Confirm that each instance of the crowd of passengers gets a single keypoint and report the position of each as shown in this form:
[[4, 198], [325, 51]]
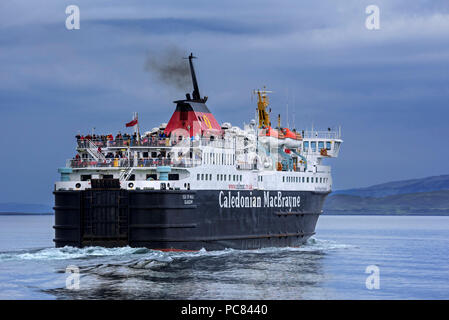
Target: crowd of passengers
[[120, 159], [156, 138]]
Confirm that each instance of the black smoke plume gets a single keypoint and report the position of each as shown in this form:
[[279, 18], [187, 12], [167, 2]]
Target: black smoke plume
[[169, 67]]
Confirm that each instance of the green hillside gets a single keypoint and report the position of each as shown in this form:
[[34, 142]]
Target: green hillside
[[434, 203], [427, 184]]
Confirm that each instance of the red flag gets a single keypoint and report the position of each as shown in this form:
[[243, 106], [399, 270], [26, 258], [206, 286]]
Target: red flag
[[132, 123]]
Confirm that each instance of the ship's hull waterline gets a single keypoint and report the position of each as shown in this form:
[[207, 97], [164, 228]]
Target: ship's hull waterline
[[186, 219]]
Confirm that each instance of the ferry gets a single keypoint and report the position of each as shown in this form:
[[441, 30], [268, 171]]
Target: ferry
[[193, 183]]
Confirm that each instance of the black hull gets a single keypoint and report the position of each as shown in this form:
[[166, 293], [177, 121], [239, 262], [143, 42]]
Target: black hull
[[187, 219]]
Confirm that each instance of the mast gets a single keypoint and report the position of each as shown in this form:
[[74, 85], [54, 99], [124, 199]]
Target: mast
[[138, 132], [262, 104], [196, 90]]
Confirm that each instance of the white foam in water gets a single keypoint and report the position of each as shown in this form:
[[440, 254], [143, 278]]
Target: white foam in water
[[71, 253], [311, 245], [77, 253]]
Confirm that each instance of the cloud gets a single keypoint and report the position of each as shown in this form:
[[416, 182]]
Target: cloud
[[380, 85]]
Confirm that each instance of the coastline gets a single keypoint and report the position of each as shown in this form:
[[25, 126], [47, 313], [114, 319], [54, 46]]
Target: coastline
[[25, 214], [325, 213]]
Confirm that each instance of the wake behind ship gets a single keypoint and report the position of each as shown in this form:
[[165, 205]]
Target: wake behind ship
[[193, 183]]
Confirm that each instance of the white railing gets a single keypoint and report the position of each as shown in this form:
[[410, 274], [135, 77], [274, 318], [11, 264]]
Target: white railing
[[132, 163], [321, 134], [154, 142]]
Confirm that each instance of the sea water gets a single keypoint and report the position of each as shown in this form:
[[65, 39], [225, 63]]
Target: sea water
[[350, 257]]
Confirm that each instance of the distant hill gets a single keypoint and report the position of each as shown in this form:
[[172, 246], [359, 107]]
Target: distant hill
[[13, 207], [435, 203], [418, 196], [428, 184]]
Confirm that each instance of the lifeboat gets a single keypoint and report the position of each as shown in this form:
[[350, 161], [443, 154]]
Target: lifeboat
[[291, 139], [271, 137]]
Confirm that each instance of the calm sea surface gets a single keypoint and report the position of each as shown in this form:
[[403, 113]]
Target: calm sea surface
[[411, 253]]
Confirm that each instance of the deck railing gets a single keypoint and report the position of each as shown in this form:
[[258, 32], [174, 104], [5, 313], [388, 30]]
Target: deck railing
[[125, 163], [321, 134]]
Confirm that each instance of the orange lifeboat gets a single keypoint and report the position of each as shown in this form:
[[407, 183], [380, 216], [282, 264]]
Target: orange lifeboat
[[291, 139], [272, 137]]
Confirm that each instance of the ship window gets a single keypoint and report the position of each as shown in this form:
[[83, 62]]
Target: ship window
[[153, 154], [313, 145], [320, 145], [240, 177], [306, 145], [321, 180], [307, 179], [173, 176], [224, 176], [198, 176], [145, 154], [218, 177], [85, 177], [283, 179], [229, 177], [108, 176], [202, 176], [328, 145], [151, 177], [303, 179], [132, 177]]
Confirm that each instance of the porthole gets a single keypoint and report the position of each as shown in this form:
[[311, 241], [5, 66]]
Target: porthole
[[130, 185], [78, 185]]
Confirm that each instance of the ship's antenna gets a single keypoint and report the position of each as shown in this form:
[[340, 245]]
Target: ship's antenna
[[286, 115], [294, 110]]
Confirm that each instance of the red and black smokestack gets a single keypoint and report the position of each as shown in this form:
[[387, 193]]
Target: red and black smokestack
[[192, 115]]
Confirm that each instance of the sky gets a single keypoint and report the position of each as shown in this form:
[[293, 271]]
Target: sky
[[388, 89]]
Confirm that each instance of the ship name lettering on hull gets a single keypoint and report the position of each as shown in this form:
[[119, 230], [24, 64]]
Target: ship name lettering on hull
[[270, 200]]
